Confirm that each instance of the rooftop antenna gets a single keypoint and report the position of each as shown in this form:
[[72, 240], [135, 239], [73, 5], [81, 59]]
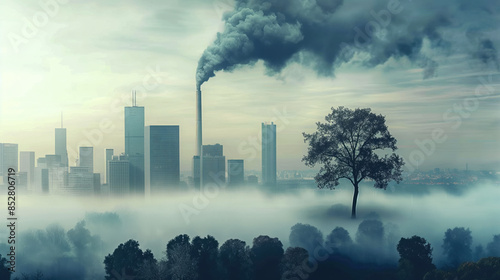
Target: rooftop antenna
[[134, 98]]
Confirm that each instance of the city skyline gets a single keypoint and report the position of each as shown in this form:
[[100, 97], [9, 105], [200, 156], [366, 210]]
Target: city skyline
[[238, 101]]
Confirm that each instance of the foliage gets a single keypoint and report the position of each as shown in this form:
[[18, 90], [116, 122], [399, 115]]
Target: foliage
[[347, 146], [415, 258]]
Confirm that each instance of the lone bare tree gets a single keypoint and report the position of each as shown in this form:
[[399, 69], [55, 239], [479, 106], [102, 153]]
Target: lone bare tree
[[346, 145]]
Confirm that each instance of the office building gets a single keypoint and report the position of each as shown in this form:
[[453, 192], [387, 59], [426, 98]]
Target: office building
[[80, 181], [86, 159], [8, 159], [97, 183], [161, 157], [58, 174], [27, 164], [269, 154], [60, 146], [119, 176], [134, 146], [214, 165], [108, 157], [235, 172]]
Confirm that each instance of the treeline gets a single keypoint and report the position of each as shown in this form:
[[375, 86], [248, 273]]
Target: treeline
[[375, 253]]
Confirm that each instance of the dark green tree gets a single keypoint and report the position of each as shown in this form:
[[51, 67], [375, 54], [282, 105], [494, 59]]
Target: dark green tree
[[126, 261], [180, 260], [206, 251], [494, 247], [234, 257], [306, 236], [293, 262], [457, 245], [4, 268], [347, 146], [415, 258], [266, 255]]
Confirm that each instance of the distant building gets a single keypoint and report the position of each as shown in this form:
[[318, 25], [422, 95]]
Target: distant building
[[196, 171], [60, 146], [58, 174], [80, 181], [40, 169], [87, 158], [214, 165], [134, 146], [253, 180], [27, 164], [119, 176], [161, 157], [97, 183], [108, 157], [235, 172], [8, 159], [269, 154]]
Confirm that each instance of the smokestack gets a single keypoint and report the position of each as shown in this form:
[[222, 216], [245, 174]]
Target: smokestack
[[198, 122]]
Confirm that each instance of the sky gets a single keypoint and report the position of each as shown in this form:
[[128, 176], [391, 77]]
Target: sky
[[84, 58]]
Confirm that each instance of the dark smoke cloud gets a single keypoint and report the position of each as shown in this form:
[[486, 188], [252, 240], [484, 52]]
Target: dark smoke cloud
[[323, 34]]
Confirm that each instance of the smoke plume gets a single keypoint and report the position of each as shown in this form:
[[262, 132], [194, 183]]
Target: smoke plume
[[323, 34]]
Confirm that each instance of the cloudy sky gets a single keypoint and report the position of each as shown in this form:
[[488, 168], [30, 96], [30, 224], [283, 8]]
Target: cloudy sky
[[428, 67]]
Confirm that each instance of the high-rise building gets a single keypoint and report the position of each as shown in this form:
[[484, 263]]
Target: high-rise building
[[134, 146], [87, 158], [41, 170], [60, 146], [58, 174], [161, 157], [214, 165], [269, 154], [235, 172], [119, 176], [27, 164], [8, 159], [108, 157], [97, 183], [80, 181]]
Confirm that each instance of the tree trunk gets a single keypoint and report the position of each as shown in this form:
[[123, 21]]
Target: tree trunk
[[354, 201]]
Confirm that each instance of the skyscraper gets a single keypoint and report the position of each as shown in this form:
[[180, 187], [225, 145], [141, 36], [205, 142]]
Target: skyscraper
[[60, 146], [87, 158], [108, 157], [27, 164], [119, 176], [134, 146], [214, 165], [8, 159], [58, 174], [161, 158], [235, 172], [80, 181], [269, 154]]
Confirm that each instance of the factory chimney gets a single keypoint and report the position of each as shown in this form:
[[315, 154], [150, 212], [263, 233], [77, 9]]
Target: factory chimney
[[198, 122]]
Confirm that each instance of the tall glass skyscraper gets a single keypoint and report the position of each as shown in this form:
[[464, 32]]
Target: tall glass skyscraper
[[60, 146], [269, 154], [134, 146], [214, 165], [109, 156], [8, 159], [27, 164], [118, 175], [162, 157], [87, 158]]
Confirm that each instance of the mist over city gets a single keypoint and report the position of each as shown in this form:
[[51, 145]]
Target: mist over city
[[250, 139]]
